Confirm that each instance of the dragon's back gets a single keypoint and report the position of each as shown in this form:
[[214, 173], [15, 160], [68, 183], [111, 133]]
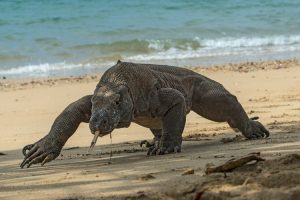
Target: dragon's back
[[127, 71], [142, 79]]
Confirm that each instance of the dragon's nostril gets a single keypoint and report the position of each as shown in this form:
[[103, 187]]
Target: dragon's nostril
[[99, 121], [104, 123]]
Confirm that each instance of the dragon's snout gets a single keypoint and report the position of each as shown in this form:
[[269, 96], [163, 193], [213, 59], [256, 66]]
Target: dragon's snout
[[102, 121], [99, 122]]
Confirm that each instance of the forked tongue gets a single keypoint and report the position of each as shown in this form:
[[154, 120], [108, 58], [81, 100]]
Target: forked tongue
[[94, 141]]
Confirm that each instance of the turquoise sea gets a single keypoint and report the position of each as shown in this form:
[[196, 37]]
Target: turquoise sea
[[74, 37]]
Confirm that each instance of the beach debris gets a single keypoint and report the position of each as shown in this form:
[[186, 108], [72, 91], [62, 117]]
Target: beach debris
[[94, 141], [197, 137], [199, 194], [2, 154], [246, 181], [251, 112], [219, 156], [147, 177], [254, 118], [232, 164], [188, 172], [234, 139]]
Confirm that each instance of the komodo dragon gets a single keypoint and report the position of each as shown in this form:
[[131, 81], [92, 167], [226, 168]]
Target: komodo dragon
[[154, 96]]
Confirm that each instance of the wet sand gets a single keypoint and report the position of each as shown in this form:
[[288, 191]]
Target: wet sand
[[270, 90]]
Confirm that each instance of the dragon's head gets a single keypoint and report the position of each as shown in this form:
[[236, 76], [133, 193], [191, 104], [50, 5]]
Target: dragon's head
[[111, 107]]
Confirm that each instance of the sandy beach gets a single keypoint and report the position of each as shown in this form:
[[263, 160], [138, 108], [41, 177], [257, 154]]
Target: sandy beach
[[270, 90]]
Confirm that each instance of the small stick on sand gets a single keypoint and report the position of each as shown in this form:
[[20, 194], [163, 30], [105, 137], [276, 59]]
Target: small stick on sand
[[94, 141], [233, 164]]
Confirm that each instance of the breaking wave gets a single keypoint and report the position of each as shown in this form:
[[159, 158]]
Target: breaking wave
[[218, 47], [251, 42], [151, 50], [40, 69]]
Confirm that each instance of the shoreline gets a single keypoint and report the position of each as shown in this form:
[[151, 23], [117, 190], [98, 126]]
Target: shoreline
[[23, 83]]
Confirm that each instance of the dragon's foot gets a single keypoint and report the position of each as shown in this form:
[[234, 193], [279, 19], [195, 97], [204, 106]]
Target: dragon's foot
[[256, 130], [147, 144], [27, 148], [150, 144], [156, 150], [42, 151], [164, 146]]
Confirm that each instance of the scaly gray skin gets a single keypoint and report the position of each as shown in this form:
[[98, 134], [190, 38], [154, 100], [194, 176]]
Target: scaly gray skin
[[155, 96]]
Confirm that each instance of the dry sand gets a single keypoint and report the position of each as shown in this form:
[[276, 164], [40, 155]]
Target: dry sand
[[270, 90]]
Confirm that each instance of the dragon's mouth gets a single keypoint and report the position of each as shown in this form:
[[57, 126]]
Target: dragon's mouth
[[102, 133], [94, 141]]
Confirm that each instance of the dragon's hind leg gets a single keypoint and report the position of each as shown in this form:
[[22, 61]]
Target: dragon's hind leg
[[212, 101]]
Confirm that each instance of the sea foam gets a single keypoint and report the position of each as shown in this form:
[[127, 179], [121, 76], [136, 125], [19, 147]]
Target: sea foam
[[250, 41], [166, 49], [40, 69]]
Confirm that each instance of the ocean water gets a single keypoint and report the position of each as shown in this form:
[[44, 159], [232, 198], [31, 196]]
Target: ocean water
[[73, 37]]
